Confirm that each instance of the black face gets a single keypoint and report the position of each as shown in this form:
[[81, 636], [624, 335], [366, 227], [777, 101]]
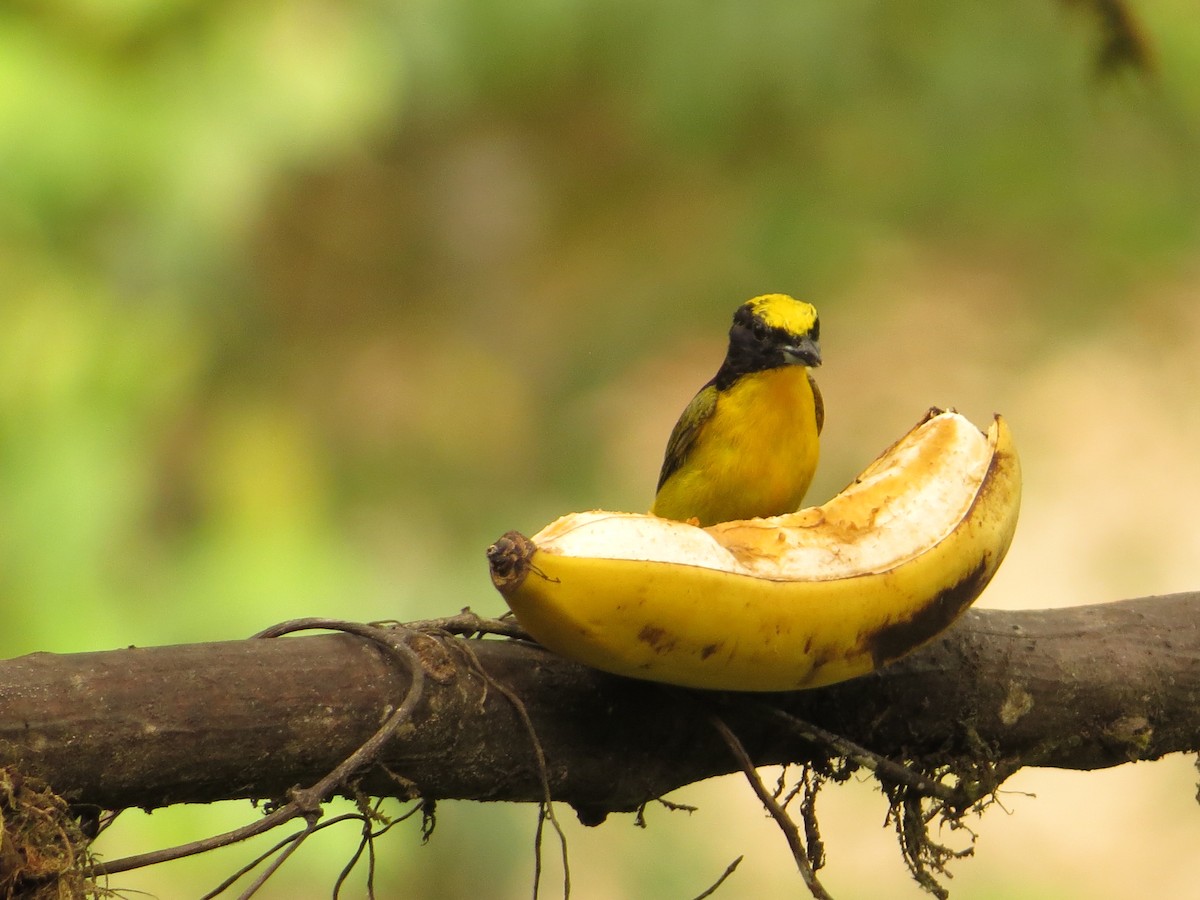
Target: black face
[[754, 346]]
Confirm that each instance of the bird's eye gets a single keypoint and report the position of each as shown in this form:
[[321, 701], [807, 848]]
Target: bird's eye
[[816, 330], [759, 329]]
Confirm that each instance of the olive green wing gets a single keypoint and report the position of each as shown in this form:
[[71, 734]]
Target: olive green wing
[[686, 430], [818, 402]]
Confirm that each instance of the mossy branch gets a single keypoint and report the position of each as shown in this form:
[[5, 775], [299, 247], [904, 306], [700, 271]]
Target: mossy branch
[[1081, 688]]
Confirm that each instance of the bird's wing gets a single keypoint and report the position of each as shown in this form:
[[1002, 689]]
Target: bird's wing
[[684, 434], [818, 402]]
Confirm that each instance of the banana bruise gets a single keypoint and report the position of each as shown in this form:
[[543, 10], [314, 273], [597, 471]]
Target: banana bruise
[[795, 601]]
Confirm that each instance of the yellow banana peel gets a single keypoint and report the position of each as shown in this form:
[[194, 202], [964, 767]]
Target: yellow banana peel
[[794, 601]]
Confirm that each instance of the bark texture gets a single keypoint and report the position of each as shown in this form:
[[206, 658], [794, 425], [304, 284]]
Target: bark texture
[[1081, 688]]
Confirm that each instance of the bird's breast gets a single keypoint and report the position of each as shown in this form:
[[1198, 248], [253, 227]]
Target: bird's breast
[[762, 443]]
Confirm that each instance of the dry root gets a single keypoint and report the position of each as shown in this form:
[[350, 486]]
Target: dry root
[[43, 849]]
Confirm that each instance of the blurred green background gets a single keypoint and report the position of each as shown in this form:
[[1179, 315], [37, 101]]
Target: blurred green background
[[303, 303]]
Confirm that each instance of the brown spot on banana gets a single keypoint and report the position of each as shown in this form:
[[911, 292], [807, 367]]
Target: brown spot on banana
[[898, 639], [658, 638]]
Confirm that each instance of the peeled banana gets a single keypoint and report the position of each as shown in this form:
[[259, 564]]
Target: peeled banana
[[794, 601]]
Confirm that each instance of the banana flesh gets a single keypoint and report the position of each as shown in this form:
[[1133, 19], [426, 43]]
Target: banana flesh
[[794, 601]]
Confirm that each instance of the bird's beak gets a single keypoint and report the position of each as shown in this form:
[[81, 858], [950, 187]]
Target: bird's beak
[[805, 351]]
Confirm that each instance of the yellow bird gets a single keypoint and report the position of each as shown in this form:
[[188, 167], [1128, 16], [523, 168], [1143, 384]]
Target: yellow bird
[[747, 444]]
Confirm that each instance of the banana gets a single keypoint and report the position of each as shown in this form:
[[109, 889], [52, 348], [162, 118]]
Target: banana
[[794, 601]]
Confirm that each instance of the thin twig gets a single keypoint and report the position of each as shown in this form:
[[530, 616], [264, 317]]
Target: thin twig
[[778, 813], [366, 815], [365, 840], [870, 760], [251, 866], [279, 860], [468, 624], [371, 858], [675, 807], [542, 768], [537, 850], [305, 802], [729, 870], [274, 848], [810, 784]]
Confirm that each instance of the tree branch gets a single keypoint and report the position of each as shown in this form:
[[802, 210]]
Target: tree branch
[[1081, 688]]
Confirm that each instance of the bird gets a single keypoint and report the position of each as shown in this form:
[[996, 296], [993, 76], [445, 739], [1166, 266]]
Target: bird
[[747, 444]]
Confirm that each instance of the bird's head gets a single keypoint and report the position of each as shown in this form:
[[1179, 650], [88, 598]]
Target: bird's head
[[771, 331]]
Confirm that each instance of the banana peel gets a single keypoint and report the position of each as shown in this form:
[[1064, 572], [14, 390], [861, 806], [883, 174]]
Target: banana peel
[[795, 601]]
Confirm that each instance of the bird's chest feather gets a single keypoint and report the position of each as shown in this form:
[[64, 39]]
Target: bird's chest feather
[[771, 411], [764, 438]]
